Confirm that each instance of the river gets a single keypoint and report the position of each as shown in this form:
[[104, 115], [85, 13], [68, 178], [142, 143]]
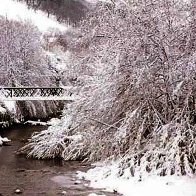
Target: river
[[38, 177]]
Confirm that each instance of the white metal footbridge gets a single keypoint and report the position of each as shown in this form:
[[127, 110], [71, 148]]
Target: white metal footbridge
[[35, 93]]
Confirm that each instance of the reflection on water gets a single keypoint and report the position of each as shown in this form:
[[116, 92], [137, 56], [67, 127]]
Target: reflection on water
[[19, 136]]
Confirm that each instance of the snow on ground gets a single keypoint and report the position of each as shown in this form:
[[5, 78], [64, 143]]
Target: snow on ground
[[2, 110], [39, 98], [59, 59], [11, 106], [53, 121], [31, 122], [19, 11], [3, 140], [149, 186]]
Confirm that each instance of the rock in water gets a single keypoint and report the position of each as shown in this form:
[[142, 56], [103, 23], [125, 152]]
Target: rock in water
[[5, 139], [18, 191]]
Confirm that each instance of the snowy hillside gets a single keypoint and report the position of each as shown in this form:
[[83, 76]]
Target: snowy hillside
[[19, 11]]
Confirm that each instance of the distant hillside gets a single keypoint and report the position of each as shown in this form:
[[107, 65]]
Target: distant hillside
[[65, 10], [14, 10]]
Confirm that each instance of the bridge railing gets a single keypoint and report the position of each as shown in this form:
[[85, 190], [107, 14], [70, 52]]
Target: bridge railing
[[30, 92]]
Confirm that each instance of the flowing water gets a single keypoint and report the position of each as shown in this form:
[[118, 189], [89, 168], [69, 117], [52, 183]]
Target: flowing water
[[38, 177]]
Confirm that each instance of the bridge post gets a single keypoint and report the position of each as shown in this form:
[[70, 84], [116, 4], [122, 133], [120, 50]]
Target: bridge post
[[11, 92]]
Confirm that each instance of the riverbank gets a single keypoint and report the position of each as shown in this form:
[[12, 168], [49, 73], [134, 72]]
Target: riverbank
[[38, 177], [12, 112], [106, 176]]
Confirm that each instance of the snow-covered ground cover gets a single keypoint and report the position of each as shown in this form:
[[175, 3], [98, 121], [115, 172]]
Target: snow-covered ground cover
[[2, 110], [10, 105], [107, 177], [19, 11], [59, 58], [3, 140], [51, 122], [31, 122]]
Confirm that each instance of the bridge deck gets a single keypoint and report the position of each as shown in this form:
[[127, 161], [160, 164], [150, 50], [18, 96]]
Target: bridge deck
[[65, 98]]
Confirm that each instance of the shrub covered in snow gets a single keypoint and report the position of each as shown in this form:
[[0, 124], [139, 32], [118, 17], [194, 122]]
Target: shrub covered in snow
[[6, 116], [135, 71], [52, 142]]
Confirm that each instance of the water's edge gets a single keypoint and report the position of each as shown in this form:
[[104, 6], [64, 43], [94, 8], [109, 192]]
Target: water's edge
[[38, 177]]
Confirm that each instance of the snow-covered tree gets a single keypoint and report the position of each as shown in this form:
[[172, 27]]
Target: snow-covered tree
[[135, 67], [21, 56]]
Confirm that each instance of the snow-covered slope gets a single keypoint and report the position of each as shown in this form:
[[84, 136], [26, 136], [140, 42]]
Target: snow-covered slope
[[19, 11], [130, 186]]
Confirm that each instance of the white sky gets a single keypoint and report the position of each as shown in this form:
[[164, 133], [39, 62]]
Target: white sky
[[19, 11]]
